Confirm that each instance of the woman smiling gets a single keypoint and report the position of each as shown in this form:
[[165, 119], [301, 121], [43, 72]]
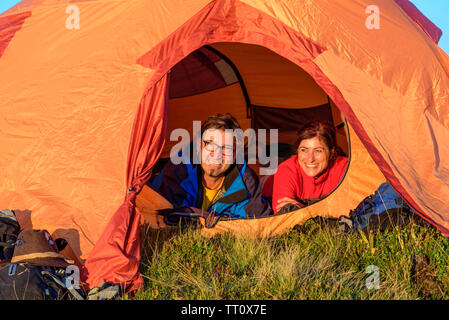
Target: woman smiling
[[313, 172]]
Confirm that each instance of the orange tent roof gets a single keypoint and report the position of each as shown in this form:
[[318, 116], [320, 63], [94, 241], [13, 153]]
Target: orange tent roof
[[74, 102]]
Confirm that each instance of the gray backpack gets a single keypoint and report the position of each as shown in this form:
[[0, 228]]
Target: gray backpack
[[9, 230]]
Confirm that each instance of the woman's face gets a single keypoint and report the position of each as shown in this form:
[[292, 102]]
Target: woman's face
[[313, 156]]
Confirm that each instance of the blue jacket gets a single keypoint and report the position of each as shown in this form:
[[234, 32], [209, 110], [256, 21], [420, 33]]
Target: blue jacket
[[240, 195]]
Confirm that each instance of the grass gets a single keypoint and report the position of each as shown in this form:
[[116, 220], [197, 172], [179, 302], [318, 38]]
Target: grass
[[315, 262]]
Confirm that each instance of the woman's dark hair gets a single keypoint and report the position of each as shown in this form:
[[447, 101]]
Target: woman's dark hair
[[220, 121], [324, 130]]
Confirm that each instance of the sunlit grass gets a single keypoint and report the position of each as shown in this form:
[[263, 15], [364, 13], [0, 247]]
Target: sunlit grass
[[317, 262]]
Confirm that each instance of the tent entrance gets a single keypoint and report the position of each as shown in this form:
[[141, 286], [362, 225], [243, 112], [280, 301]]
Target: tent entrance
[[261, 89]]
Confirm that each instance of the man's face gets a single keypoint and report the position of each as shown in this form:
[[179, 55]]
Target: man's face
[[217, 152]]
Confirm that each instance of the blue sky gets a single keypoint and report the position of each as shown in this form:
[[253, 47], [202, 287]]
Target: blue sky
[[438, 12], [435, 10], [6, 4]]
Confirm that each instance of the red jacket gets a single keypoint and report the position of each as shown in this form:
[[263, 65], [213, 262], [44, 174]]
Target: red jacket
[[291, 181]]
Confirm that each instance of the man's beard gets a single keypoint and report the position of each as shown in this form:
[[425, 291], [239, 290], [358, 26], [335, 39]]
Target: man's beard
[[215, 173]]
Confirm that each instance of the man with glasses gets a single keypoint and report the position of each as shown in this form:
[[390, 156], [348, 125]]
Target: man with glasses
[[218, 184]]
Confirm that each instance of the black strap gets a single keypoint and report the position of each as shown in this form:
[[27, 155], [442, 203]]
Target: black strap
[[308, 202], [188, 214], [6, 244]]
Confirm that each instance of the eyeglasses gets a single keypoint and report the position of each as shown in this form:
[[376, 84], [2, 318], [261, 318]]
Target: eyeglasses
[[213, 147]]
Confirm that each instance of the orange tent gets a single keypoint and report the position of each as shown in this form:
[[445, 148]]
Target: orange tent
[[85, 109]]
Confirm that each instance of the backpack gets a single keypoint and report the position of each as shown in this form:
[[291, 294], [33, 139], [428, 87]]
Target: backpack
[[28, 282], [9, 230], [380, 210], [38, 271], [40, 279]]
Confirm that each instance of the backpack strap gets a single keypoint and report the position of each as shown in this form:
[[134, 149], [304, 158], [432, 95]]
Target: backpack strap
[[63, 284]]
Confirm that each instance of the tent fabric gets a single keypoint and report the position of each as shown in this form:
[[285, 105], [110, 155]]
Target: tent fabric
[[229, 98], [9, 25], [73, 125], [421, 20], [116, 256], [271, 80], [274, 118], [201, 71], [119, 244]]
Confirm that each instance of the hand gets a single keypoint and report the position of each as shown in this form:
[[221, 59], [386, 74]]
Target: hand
[[286, 200]]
